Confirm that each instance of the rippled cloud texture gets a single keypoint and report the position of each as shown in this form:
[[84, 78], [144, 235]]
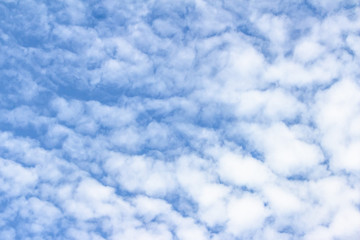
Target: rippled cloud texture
[[188, 120]]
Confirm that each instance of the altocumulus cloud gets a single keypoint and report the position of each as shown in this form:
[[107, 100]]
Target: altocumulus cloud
[[189, 119]]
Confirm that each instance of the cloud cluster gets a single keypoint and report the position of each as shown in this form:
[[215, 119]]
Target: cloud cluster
[[188, 119]]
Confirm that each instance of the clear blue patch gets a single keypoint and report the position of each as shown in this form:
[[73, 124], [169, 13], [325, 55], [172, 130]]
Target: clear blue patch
[[288, 229], [182, 203], [300, 178], [99, 12]]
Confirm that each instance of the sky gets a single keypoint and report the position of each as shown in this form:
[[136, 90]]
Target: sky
[[180, 120]]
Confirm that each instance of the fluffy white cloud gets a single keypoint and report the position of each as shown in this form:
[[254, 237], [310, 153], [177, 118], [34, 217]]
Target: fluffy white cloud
[[16, 179], [244, 171], [337, 116], [184, 120], [284, 153], [140, 174], [245, 214]]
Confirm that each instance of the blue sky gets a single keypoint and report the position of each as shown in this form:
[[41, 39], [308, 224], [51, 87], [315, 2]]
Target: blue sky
[[185, 120]]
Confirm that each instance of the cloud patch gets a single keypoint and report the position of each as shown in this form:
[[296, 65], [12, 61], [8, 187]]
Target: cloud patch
[[179, 120]]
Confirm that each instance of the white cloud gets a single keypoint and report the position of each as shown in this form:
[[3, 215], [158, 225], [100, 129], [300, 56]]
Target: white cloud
[[16, 179], [110, 116], [332, 5], [307, 51], [283, 152], [245, 214], [282, 201], [244, 171], [179, 120], [336, 114], [187, 229], [276, 28], [8, 234], [68, 111], [241, 70], [346, 223], [43, 214], [137, 173], [269, 105]]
